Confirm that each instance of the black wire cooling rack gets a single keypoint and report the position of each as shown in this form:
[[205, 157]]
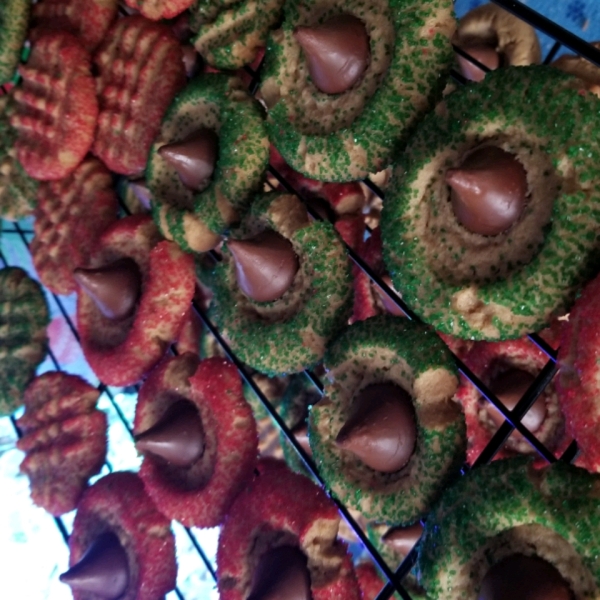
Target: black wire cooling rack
[[563, 38]]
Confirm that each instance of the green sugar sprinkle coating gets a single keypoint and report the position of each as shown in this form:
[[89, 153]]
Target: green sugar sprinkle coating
[[14, 18], [23, 341], [217, 102], [411, 355], [316, 307], [18, 191], [539, 114], [345, 136], [478, 521]]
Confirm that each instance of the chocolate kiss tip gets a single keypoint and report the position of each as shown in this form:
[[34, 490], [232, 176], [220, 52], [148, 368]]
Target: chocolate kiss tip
[[337, 52], [193, 158], [265, 266], [486, 55], [178, 437], [114, 288], [103, 570], [402, 539]]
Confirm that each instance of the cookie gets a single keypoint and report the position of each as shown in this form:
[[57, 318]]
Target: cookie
[[23, 340], [17, 190], [218, 126], [344, 134], [508, 369], [55, 107], [132, 301], [198, 438], [140, 69], [581, 68], [508, 522], [238, 32], [389, 379], [70, 216], [495, 38], [120, 546], [14, 18], [281, 535], [496, 279], [159, 9], [87, 20], [279, 316], [64, 438]]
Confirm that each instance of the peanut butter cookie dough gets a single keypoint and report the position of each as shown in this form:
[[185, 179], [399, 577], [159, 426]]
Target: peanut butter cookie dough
[[206, 162], [386, 436], [494, 278], [508, 524], [334, 134]]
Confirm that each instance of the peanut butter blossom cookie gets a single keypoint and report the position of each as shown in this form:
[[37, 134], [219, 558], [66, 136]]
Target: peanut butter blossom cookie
[[507, 530], [387, 437], [489, 226], [344, 82], [14, 17], [207, 160], [23, 340], [277, 307]]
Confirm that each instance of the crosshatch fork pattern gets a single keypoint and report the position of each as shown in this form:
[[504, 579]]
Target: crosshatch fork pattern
[[20, 235]]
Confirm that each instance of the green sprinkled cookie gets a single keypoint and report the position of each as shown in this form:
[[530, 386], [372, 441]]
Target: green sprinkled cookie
[[17, 190], [14, 18], [540, 523], [285, 329], [387, 437], [213, 116], [23, 340], [478, 276], [343, 133]]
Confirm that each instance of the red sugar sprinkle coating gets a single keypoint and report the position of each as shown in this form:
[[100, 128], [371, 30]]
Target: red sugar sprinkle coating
[[578, 380], [283, 503], [369, 580], [118, 503], [122, 352], [160, 9], [55, 107], [215, 387]]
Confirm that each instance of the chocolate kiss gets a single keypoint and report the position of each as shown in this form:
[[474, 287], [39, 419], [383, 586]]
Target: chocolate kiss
[[509, 387], [520, 577], [488, 191], [281, 574], [381, 430], [402, 539], [103, 570], [114, 288], [193, 158], [486, 55], [265, 266], [337, 52], [178, 437]]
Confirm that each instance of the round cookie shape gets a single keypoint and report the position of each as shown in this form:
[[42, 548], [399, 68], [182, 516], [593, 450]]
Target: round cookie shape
[[498, 286], [196, 220], [201, 493], [281, 508], [385, 349], [551, 513], [121, 351], [14, 18], [118, 504], [343, 137], [23, 340], [289, 334]]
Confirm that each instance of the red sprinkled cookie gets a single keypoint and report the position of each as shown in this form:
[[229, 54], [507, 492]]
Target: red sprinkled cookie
[[133, 300], [281, 530], [121, 546], [198, 437], [70, 216], [140, 65], [64, 437], [55, 107], [160, 9]]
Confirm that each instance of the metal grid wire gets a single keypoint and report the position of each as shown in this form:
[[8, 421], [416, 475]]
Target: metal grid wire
[[512, 417]]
